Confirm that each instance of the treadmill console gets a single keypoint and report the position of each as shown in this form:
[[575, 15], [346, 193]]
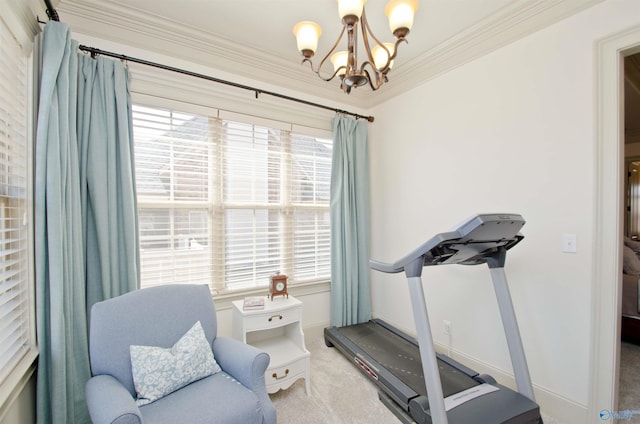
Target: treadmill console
[[470, 243]]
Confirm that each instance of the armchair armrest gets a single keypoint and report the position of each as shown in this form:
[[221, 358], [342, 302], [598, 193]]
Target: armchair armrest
[[109, 402], [244, 362], [247, 364]]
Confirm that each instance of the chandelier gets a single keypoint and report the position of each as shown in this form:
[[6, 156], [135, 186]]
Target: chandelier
[[379, 59]]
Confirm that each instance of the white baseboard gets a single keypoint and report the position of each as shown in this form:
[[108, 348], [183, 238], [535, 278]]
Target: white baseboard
[[551, 404], [314, 331]]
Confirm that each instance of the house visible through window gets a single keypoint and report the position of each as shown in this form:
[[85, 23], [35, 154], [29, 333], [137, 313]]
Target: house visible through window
[[229, 202]]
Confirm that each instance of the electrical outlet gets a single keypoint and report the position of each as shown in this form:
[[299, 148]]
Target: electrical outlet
[[446, 325]]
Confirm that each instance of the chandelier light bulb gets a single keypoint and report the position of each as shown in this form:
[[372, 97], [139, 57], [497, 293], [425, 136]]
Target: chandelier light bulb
[[400, 14], [339, 59], [307, 34], [350, 8], [381, 57]]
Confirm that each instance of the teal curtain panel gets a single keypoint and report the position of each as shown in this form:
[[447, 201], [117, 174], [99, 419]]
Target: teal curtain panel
[[85, 215], [350, 227]]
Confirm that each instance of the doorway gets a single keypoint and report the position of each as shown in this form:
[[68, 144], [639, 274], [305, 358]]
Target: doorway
[[629, 354], [609, 218], [631, 127]]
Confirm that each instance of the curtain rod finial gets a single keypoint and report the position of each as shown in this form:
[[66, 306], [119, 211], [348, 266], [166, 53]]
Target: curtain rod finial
[[51, 11]]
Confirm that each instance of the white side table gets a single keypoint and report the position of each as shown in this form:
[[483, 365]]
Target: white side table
[[276, 329]]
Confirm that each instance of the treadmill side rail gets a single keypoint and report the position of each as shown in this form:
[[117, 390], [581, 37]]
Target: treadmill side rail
[[427, 352], [512, 333]]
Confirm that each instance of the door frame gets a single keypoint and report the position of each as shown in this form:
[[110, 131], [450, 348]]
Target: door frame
[[609, 214]]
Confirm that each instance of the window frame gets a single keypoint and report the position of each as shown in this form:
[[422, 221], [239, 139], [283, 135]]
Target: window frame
[[23, 27], [308, 286]]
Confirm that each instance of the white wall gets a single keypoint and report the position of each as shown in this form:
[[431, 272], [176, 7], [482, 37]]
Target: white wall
[[22, 410], [510, 132]]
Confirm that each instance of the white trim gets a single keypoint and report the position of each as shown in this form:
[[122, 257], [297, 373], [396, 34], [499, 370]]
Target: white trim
[[120, 23], [11, 388], [162, 84], [515, 21], [607, 261], [254, 120], [314, 331], [551, 404], [315, 132], [21, 21]]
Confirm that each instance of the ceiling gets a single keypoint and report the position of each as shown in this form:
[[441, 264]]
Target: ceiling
[[253, 39]]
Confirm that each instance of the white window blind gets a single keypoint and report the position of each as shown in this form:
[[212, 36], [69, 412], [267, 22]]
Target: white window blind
[[14, 203], [311, 178], [229, 203]]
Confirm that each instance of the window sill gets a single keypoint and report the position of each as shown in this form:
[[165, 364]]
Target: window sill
[[223, 301], [11, 388]]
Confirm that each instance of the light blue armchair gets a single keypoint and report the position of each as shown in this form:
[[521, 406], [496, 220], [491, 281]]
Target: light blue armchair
[[159, 316]]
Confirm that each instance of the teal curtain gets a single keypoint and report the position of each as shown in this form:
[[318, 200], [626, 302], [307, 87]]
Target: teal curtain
[[349, 209], [109, 210], [73, 239]]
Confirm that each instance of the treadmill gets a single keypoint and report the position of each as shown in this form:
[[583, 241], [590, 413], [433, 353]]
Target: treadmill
[[416, 383]]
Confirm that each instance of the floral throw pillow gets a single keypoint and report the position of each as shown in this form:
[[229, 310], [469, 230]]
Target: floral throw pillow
[[159, 371]]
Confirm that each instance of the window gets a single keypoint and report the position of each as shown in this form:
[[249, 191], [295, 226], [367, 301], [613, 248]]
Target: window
[[15, 200], [229, 201]]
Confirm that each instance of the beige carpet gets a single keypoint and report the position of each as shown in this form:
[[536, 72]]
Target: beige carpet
[[340, 394]]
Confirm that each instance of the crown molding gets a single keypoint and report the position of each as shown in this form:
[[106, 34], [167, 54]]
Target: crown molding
[[21, 19], [143, 30], [516, 21]]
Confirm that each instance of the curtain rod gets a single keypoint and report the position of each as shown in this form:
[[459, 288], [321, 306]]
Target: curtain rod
[[258, 91], [51, 11]]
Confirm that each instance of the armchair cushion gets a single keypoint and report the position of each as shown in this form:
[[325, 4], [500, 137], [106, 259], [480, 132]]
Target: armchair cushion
[[158, 371], [216, 399]]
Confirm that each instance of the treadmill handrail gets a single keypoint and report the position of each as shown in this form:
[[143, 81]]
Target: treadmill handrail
[[399, 265], [481, 239]]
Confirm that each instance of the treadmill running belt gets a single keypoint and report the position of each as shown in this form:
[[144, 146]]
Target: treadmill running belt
[[401, 358]]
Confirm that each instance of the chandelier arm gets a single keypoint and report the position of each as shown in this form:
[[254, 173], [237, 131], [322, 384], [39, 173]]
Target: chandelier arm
[[380, 76], [390, 56], [365, 40], [306, 59], [318, 71], [395, 48], [352, 48], [324, 59]]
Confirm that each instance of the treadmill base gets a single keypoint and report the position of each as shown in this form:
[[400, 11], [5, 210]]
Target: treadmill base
[[410, 404]]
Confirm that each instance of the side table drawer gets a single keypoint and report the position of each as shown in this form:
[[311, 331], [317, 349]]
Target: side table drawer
[[272, 319], [284, 376]]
